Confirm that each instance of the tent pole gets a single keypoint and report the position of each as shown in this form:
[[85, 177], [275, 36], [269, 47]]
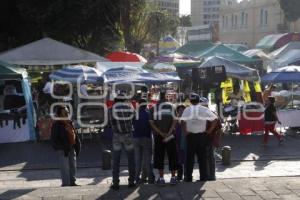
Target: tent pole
[[292, 95]]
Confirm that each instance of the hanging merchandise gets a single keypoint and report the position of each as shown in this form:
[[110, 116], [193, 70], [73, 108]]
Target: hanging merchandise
[[246, 88], [227, 89], [227, 83], [257, 86]]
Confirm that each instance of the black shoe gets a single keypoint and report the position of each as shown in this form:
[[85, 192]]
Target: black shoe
[[131, 185], [179, 177], [115, 187]]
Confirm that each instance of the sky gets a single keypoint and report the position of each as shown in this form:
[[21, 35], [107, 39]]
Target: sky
[[185, 7]]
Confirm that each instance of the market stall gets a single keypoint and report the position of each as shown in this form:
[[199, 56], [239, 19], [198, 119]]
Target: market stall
[[83, 86], [239, 77], [17, 114], [290, 112]]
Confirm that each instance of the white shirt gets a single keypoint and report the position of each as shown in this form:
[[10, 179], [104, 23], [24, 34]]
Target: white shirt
[[196, 117], [83, 90], [47, 88]]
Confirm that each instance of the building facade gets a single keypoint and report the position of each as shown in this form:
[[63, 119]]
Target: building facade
[[249, 21], [170, 5], [205, 12]]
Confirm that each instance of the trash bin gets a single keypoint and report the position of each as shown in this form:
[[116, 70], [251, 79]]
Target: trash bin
[[226, 155], [106, 159]]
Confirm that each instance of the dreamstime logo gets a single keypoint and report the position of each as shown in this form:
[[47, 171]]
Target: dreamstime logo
[[102, 113]]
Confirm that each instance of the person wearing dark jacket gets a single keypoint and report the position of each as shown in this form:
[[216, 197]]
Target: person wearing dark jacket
[[65, 142]]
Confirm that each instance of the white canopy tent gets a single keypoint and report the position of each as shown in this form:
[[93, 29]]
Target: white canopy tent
[[252, 53], [49, 52]]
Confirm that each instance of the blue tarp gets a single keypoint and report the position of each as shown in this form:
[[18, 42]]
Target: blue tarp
[[279, 77], [31, 115], [286, 74]]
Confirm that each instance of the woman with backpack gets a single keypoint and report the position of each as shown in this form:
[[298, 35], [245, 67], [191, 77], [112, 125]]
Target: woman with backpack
[[67, 145]]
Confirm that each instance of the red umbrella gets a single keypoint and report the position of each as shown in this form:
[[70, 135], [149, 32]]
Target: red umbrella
[[122, 56]]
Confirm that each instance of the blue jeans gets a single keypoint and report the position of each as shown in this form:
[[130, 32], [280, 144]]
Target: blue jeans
[[143, 157], [121, 141], [67, 167]]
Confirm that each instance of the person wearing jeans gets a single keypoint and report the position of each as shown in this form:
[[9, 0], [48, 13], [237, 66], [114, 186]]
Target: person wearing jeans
[[126, 141], [120, 120], [68, 167], [143, 144], [65, 142]]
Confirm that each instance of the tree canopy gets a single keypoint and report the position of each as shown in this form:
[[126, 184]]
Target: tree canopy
[[144, 23], [99, 26], [185, 21], [291, 9], [88, 24]]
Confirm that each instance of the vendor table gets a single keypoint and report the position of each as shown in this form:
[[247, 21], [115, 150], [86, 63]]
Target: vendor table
[[289, 118], [251, 122]]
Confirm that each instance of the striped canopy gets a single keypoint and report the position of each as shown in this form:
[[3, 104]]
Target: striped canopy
[[77, 73]]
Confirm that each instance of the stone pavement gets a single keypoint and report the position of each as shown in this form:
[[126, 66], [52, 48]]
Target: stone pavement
[[93, 176], [227, 189], [29, 171], [34, 155]]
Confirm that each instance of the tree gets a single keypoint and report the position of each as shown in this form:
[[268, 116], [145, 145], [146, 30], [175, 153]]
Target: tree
[[99, 26], [144, 23], [291, 9], [185, 21], [88, 24]]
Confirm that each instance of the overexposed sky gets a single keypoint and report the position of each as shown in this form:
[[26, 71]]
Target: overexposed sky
[[185, 7]]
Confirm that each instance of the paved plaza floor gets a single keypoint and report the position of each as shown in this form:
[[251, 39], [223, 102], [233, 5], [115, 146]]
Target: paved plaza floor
[[29, 171]]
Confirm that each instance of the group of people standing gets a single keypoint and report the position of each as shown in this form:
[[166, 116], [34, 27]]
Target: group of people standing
[[180, 132]]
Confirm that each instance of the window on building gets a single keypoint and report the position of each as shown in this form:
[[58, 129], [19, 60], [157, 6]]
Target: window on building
[[232, 21], [246, 19], [261, 17], [223, 22], [242, 19], [226, 21], [266, 17], [235, 21]]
